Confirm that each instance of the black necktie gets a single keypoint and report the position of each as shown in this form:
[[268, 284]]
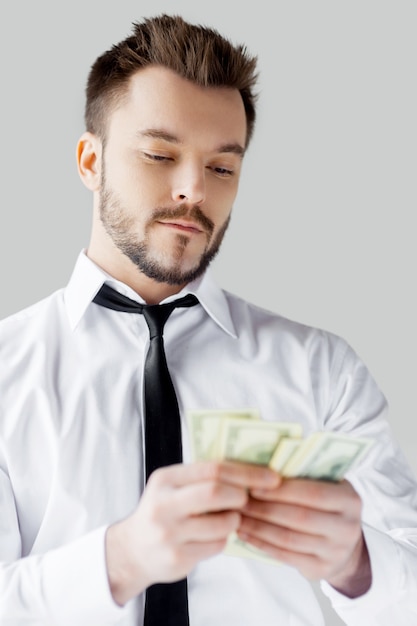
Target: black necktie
[[166, 603]]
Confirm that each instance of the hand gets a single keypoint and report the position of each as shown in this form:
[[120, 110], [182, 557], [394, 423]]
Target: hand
[[185, 515], [314, 526]]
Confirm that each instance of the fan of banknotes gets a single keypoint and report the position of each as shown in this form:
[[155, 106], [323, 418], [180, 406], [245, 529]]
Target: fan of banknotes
[[241, 435]]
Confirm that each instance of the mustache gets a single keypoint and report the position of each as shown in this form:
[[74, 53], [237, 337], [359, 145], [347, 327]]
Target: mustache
[[195, 213]]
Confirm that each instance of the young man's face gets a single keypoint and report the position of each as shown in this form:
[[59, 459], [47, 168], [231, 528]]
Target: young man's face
[[170, 173]]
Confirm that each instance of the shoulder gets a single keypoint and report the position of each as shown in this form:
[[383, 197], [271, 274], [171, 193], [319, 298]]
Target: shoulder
[[335, 372], [31, 325], [326, 355], [265, 322]]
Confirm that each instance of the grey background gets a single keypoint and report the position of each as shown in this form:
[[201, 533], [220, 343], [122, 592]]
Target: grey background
[[323, 229]]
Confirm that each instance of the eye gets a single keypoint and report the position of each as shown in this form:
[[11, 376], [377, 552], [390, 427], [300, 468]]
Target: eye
[[156, 157], [222, 171]]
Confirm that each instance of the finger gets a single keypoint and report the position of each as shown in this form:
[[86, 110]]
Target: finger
[[310, 565], [321, 495], [250, 476], [315, 556], [209, 528], [280, 537], [176, 492], [297, 518], [183, 557], [245, 475], [206, 497], [195, 552]]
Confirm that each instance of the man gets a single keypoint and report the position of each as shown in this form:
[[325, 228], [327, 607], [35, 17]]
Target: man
[[83, 534]]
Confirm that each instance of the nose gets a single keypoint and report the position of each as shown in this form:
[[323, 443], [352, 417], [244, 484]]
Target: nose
[[189, 184]]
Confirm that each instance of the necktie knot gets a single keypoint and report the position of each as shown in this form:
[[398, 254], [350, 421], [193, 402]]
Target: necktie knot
[[157, 314]]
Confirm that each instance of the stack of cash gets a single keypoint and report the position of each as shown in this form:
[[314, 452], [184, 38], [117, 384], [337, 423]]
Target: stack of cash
[[241, 435]]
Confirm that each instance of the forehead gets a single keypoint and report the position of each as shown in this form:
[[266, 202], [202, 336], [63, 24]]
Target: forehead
[[160, 98]]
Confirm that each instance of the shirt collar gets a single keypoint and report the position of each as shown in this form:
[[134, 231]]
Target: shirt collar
[[87, 278]]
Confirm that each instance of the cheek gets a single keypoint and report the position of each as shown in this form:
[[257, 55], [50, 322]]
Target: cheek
[[221, 199], [138, 188]]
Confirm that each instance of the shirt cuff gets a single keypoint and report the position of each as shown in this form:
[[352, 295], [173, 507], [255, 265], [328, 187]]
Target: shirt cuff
[[387, 588], [75, 583]]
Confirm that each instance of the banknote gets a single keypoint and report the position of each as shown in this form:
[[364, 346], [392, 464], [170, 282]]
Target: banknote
[[244, 550], [205, 428], [326, 456], [254, 442], [242, 435], [321, 456], [284, 451]]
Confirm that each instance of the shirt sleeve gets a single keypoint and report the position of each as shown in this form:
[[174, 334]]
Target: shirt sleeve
[[388, 491], [63, 587], [392, 598]]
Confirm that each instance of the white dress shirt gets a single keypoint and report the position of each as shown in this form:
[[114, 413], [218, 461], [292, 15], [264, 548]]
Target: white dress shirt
[[71, 454]]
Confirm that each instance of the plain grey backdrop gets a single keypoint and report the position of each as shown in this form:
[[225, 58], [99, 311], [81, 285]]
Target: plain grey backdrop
[[324, 224]]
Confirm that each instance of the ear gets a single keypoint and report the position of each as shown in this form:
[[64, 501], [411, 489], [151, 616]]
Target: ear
[[89, 151]]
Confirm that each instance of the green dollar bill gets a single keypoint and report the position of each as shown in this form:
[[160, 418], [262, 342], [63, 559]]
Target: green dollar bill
[[254, 442], [205, 428], [326, 456], [284, 451]]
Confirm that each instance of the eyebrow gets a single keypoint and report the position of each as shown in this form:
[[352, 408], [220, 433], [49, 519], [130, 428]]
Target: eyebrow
[[156, 133]]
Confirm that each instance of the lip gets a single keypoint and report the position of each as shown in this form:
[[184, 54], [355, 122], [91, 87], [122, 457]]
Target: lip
[[184, 225]]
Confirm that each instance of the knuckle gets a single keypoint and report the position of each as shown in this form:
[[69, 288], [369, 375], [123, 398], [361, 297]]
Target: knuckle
[[302, 515], [214, 471], [232, 521], [174, 558], [243, 498], [163, 536], [212, 490], [290, 539], [316, 489], [156, 479], [352, 493], [156, 513]]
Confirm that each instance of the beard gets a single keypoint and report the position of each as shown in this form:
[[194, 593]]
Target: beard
[[167, 266]]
